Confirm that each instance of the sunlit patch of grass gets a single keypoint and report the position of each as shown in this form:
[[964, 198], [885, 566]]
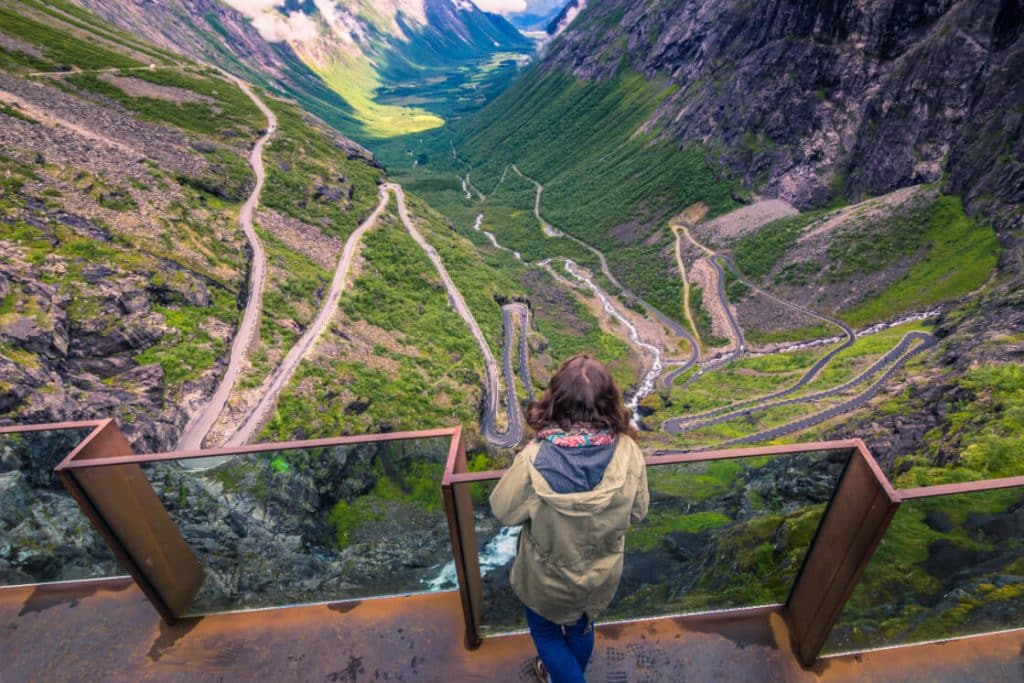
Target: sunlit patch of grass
[[960, 254], [356, 80]]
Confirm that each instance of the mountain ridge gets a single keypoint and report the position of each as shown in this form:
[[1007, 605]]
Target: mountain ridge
[[836, 120], [365, 67]]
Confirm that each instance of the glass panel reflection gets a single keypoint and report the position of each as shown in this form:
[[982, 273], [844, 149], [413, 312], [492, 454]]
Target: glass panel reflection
[[725, 534], [311, 525], [43, 534], [719, 534], [496, 548], [948, 566]]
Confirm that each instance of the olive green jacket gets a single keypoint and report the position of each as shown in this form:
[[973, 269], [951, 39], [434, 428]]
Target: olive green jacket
[[569, 559]]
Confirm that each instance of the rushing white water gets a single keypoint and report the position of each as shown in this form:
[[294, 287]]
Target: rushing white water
[[863, 332], [492, 238], [647, 382], [878, 327], [498, 552]]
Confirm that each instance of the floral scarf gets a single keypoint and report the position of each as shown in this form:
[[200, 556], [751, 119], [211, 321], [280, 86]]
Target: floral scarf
[[577, 436]]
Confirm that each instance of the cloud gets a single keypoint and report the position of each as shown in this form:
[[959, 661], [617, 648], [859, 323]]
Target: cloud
[[501, 6], [274, 26], [342, 23]]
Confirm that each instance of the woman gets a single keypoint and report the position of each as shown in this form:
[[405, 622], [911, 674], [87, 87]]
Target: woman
[[575, 489]]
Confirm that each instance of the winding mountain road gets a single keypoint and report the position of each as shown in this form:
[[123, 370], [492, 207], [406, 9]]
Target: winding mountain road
[[892, 360], [858, 401], [808, 376], [510, 315], [686, 286], [766, 402], [262, 411], [488, 424], [284, 372], [736, 333], [738, 340], [676, 423], [248, 329], [550, 231]]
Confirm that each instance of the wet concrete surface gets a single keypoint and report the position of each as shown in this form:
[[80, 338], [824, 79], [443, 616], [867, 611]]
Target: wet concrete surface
[[109, 632]]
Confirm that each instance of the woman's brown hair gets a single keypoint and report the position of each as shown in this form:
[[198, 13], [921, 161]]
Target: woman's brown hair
[[582, 392]]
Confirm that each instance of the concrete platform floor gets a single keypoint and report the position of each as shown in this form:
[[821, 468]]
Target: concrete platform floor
[[107, 631]]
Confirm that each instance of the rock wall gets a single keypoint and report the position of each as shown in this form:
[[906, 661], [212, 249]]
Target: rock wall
[[805, 98]]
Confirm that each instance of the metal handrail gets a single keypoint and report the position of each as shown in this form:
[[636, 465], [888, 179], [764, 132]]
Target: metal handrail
[[851, 528], [839, 551], [103, 474]]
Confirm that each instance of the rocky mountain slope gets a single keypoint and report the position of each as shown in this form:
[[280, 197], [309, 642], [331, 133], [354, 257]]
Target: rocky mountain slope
[[122, 265], [808, 100]]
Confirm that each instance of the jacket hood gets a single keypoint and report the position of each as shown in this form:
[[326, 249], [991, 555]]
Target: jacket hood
[[584, 502]]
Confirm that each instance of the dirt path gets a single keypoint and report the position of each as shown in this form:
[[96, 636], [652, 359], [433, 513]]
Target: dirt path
[[284, 372], [46, 117], [248, 330], [546, 228], [107, 70], [721, 307]]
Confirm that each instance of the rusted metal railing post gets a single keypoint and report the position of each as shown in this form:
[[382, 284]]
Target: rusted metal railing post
[[851, 528], [122, 505], [458, 507]]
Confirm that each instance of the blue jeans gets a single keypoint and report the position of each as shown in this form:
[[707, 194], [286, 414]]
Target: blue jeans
[[564, 650]]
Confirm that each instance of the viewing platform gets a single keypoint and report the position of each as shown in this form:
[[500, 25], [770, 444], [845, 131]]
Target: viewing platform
[[106, 631], [782, 563]]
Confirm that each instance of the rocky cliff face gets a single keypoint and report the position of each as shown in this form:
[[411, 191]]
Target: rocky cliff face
[[808, 99], [64, 368], [45, 535]]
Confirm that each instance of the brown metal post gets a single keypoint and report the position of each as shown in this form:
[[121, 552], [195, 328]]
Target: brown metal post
[[458, 507], [121, 503], [851, 528]]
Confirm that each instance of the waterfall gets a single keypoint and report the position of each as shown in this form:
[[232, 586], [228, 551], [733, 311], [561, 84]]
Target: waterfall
[[647, 382], [497, 553]]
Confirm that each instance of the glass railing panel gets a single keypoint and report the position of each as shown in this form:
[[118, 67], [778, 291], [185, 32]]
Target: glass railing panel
[[307, 525], [948, 566], [496, 549], [725, 534], [43, 534], [719, 534]]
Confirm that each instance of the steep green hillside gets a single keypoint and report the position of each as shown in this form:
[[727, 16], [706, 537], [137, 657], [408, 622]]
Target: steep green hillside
[[420, 370], [872, 262], [607, 179]]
